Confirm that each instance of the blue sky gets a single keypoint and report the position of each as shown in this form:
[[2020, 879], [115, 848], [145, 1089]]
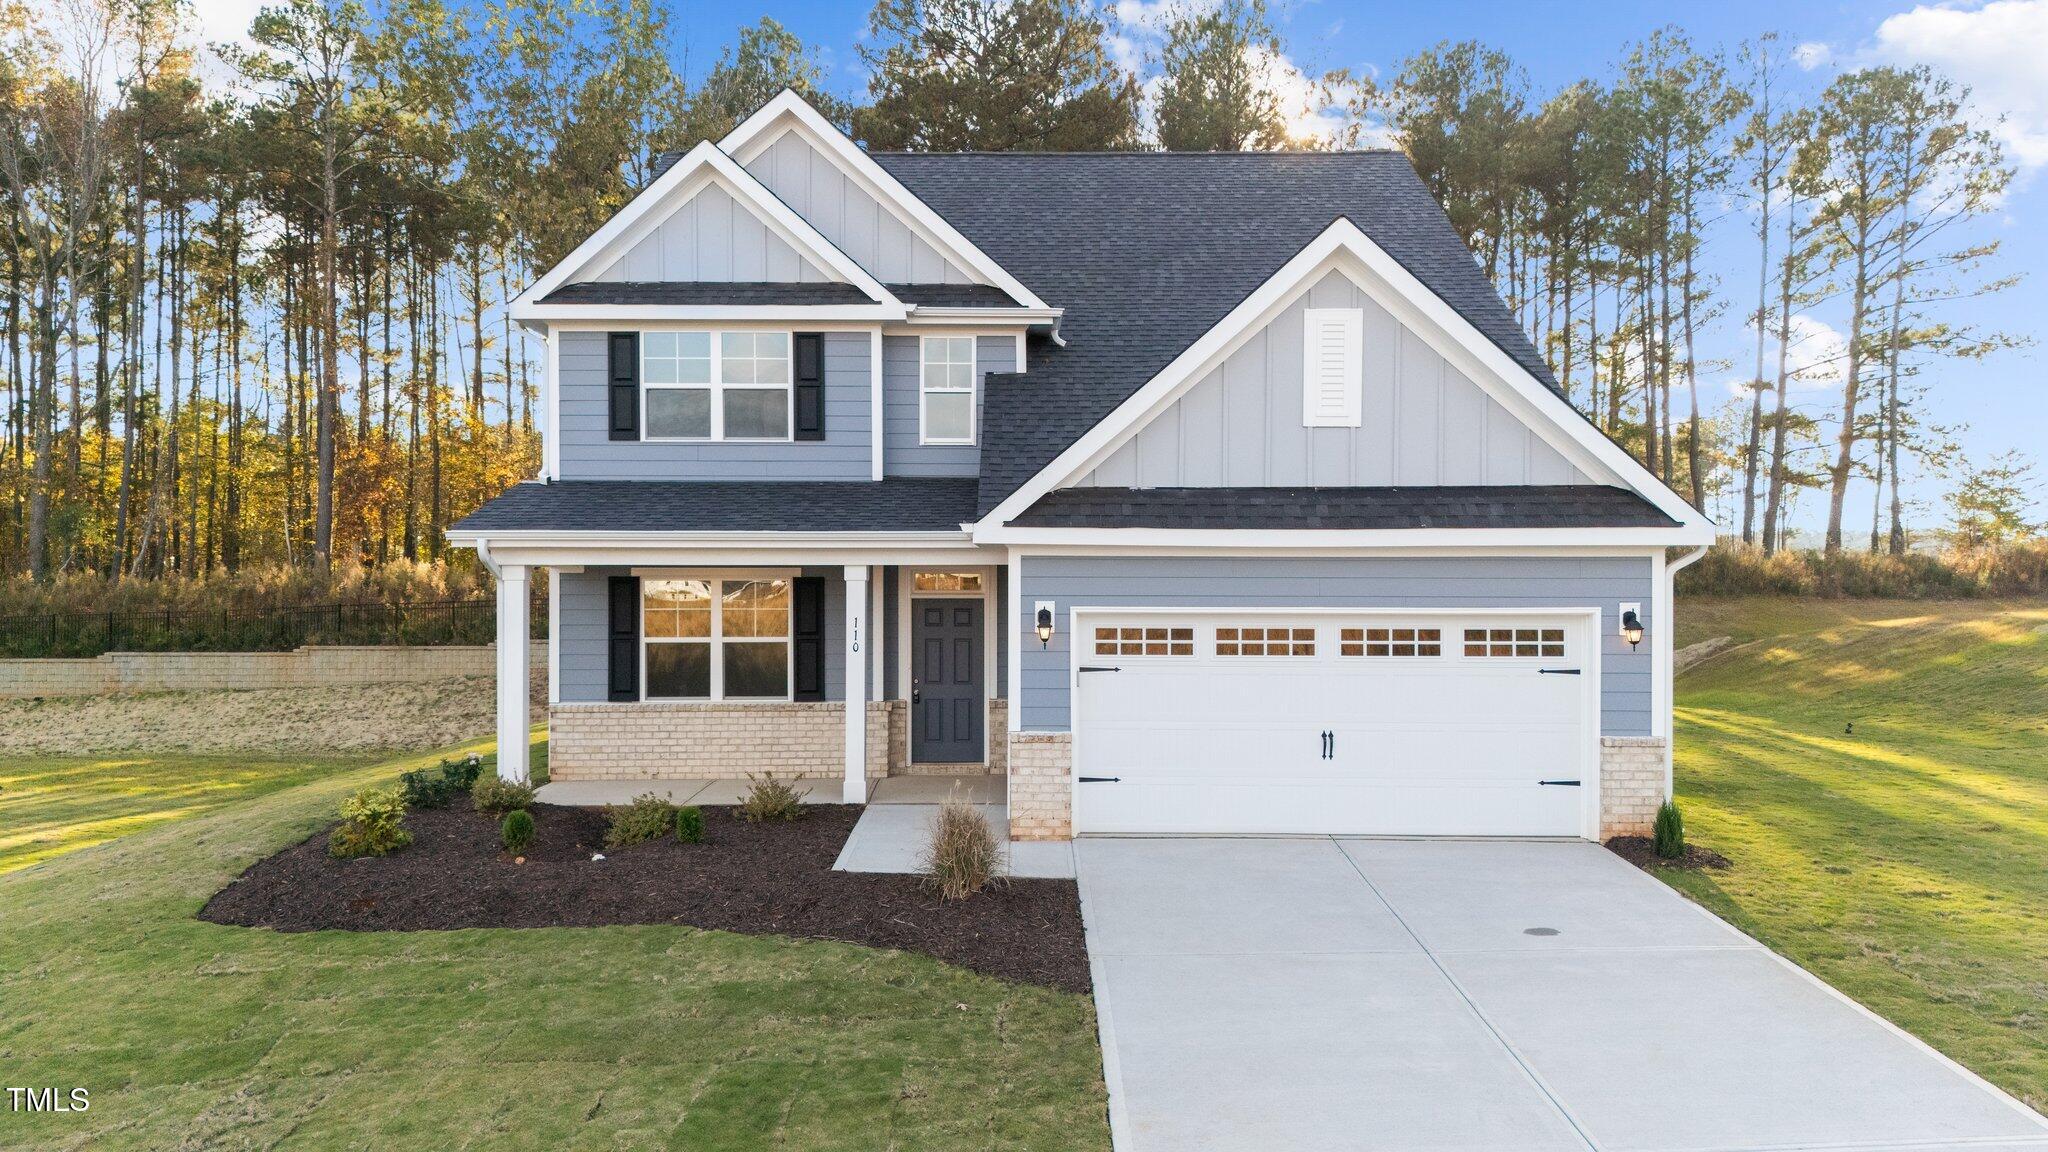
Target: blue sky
[[1999, 49]]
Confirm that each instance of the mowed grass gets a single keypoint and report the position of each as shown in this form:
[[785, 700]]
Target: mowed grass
[[1878, 773], [195, 1035], [50, 805]]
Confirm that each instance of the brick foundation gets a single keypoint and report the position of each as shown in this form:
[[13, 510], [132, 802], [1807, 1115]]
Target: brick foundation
[[1631, 784], [1041, 785], [998, 735], [708, 741]]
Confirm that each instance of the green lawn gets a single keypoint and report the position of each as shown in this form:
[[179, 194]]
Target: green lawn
[[196, 1035], [50, 805], [1906, 861]]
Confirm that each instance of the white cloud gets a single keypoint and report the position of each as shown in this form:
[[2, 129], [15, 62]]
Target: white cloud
[[1998, 49], [1311, 118], [1811, 55], [1815, 360]]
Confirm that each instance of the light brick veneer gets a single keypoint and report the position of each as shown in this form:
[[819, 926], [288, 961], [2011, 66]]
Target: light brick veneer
[[1631, 784], [998, 735], [709, 741], [1041, 786], [312, 666]]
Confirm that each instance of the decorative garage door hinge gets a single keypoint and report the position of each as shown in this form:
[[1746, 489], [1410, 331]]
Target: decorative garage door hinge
[[1096, 668], [1560, 783], [1100, 779], [1557, 671]]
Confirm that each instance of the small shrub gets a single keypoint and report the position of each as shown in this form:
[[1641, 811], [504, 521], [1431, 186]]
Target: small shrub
[[517, 831], [646, 818], [771, 799], [462, 774], [1667, 836], [435, 787], [964, 855], [495, 796], [373, 824], [690, 824], [426, 788]]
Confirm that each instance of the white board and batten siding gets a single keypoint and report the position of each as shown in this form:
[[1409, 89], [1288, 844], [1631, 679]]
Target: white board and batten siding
[[855, 222], [712, 238], [1246, 424]]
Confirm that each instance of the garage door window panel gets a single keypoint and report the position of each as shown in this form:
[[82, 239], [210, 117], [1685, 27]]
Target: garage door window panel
[[1260, 640], [1144, 641], [1396, 641], [1514, 643]]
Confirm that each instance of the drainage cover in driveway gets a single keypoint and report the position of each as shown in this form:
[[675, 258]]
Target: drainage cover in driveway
[[1359, 994]]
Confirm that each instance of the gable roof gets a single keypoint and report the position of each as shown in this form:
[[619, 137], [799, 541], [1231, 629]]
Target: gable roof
[[702, 167], [1146, 252]]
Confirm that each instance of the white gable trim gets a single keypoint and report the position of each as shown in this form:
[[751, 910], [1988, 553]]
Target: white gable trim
[[1514, 387], [789, 112], [702, 167]]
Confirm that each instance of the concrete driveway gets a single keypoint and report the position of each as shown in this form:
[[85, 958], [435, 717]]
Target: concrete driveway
[[1373, 994]]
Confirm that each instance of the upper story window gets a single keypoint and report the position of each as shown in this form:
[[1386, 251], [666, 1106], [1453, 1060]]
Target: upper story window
[[715, 385], [946, 390]]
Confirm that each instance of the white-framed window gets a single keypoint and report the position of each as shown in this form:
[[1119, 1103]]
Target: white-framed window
[[1262, 641], [715, 639], [946, 390], [1150, 640], [1333, 367], [704, 385], [1390, 641], [1514, 642]]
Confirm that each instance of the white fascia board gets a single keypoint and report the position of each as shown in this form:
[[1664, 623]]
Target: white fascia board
[[1531, 397], [702, 167], [601, 315], [1300, 540], [758, 132], [924, 314]]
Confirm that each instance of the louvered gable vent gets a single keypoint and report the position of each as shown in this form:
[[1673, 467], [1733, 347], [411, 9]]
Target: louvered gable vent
[[1333, 367]]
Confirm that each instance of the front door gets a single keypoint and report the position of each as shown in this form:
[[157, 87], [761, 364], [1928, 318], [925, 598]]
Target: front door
[[946, 705]]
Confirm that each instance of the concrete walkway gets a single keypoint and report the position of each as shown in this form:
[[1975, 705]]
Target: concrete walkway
[[1369, 994], [896, 825]]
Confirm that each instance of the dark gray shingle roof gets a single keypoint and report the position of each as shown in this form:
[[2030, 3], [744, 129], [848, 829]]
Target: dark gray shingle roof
[[953, 295], [1146, 251], [704, 292], [1533, 506], [897, 504]]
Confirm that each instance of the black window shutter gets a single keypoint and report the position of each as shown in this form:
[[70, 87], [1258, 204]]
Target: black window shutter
[[623, 354], [623, 657], [810, 386], [807, 631]]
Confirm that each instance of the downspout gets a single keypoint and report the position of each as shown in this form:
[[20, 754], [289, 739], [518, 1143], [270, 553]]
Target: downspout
[[1669, 657], [483, 553]]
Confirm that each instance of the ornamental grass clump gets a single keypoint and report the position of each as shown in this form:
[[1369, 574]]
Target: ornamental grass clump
[[1667, 836], [372, 824], [495, 796], [771, 799], [648, 817], [690, 824], [963, 856], [516, 833]]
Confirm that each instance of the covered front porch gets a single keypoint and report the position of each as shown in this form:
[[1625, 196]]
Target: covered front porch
[[686, 672]]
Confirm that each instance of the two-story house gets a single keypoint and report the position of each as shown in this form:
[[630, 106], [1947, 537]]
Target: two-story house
[[1196, 493]]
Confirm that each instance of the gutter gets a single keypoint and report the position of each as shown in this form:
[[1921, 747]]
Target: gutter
[[483, 553]]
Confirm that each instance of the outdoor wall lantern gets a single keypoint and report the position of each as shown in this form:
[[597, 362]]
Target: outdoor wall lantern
[[1044, 628], [1631, 627]]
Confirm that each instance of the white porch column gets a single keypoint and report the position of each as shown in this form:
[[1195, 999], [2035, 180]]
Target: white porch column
[[855, 789], [513, 751]]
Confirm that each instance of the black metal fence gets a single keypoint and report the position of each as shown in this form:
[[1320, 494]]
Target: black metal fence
[[256, 630]]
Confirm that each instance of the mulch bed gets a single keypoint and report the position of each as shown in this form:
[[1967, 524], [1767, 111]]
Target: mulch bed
[[760, 879], [1641, 851]]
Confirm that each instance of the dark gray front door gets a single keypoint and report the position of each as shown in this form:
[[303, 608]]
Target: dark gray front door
[[945, 681]]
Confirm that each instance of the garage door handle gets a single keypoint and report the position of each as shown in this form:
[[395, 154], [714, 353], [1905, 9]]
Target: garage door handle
[[1560, 783], [1558, 671], [1096, 668]]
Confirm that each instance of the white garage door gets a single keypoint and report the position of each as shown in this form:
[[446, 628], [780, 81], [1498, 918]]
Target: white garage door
[[1415, 724]]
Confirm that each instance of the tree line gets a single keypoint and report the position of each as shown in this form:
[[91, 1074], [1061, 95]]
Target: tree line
[[255, 296]]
